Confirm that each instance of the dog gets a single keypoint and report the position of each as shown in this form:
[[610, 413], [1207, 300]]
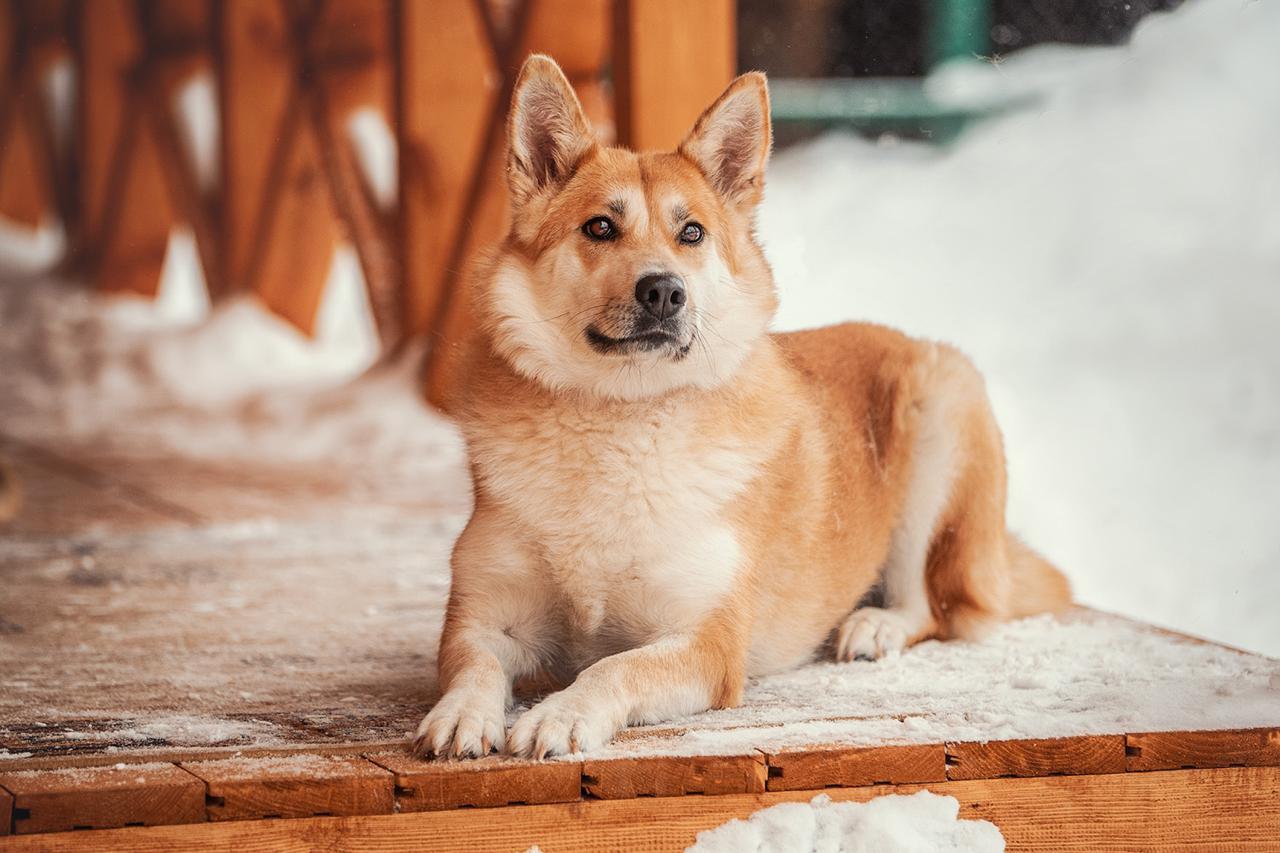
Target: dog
[[668, 498]]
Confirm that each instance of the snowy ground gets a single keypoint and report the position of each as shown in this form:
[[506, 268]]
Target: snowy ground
[[1110, 257]]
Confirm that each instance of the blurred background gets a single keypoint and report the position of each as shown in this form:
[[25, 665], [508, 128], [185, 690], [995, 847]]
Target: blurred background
[[237, 232]]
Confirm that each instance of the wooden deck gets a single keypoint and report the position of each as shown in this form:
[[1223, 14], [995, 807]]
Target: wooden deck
[[197, 653]]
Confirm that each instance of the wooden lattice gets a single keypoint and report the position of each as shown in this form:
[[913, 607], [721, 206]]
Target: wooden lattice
[[35, 176], [288, 186]]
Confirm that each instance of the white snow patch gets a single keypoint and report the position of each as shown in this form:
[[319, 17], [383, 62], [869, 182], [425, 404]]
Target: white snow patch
[[375, 148], [1110, 258], [196, 106], [185, 729], [920, 823]]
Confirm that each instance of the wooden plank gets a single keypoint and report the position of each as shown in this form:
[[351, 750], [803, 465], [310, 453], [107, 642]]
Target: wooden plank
[[351, 45], [448, 83], [845, 767], [109, 47], [1174, 750], [254, 93], [1227, 809], [101, 797], [183, 756], [664, 75], [61, 496], [24, 197], [575, 33], [674, 776], [1074, 756], [6, 812], [301, 235], [492, 781], [132, 250], [295, 786]]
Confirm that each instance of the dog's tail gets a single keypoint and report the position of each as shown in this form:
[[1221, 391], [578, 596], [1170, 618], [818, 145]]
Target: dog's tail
[[10, 493], [1038, 585]]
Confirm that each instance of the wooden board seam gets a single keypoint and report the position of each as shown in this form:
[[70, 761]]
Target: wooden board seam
[[1251, 747]]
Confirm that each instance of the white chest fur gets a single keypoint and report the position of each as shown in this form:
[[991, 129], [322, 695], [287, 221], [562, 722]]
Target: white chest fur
[[625, 507]]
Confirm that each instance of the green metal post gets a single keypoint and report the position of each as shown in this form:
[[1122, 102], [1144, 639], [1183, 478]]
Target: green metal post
[[958, 28]]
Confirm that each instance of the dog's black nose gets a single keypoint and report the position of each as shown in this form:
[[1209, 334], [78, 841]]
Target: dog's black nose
[[661, 294]]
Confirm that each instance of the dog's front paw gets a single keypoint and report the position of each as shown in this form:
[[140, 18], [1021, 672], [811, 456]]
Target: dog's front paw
[[463, 724], [871, 633], [560, 724]]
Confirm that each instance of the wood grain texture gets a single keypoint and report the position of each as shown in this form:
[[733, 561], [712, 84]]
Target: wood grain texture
[[127, 212], [6, 811], [1074, 756], [666, 75], [143, 794], [301, 235], [131, 253], [448, 83], [301, 786], [1225, 809], [254, 97], [836, 766], [24, 198], [109, 46], [674, 776], [1174, 750], [493, 781]]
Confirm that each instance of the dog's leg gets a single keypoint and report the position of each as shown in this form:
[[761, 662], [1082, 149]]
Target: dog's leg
[[679, 674], [494, 627], [871, 633]]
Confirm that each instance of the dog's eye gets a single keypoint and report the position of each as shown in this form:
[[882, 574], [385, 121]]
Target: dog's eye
[[600, 228], [691, 234]]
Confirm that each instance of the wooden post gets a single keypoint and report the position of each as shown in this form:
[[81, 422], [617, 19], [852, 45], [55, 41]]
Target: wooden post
[[672, 59], [448, 84], [454, 144]]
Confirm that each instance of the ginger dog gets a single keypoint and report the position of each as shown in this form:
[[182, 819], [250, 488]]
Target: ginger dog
[[669, 499]]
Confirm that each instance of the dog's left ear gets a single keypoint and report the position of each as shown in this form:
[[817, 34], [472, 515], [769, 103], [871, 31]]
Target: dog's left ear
[[730, 141], [547, 132]]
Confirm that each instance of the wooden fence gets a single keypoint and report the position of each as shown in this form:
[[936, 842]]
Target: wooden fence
[[295, 81]]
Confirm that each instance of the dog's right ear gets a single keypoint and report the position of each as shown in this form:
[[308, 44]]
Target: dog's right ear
[[547, 132]]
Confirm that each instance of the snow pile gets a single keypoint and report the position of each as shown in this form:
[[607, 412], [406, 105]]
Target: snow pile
[[1110, 258], [921, 823], [234, 382], [79, 360]]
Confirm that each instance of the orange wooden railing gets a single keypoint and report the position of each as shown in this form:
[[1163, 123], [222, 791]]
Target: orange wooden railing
[[287, 186]]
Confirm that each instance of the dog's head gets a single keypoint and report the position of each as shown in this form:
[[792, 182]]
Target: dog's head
[[630, 275]]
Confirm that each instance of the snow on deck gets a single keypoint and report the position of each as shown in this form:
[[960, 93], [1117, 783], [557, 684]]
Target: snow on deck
[[226, 546], [316, 622]]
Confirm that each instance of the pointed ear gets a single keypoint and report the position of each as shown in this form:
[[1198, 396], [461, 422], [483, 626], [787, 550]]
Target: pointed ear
[[547, 132], [730, 142]]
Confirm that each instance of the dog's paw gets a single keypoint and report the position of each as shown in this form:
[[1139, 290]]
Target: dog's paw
[[871, 633], [463, 724], [560, 724]]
